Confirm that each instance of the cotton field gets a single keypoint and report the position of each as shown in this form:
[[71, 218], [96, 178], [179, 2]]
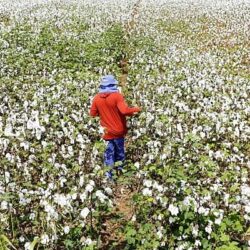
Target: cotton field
[[186, 184]]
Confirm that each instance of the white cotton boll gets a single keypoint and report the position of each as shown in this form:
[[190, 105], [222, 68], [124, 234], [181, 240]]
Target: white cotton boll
[[25, 104], [62, 181], [247, 209], [43, 129], [50, 210], [38, 134], [88, 241], [84, 213], [147, 183], [83, 197], [133, 218], [9, 157], [46, 118], [208, 229], [186, 201], [244, 179], [218, 155], [163, 157], [4, 205], [80, 138], [195, 230], [30, 124], [81, 181], [75, 117], [7, 176], [226, 198], [101, 130], [97, 168], [32, 216], [158, 187], [61, 200], [218, 221], [70, 150], [44, 144], [171, 220], [159, 234], [74, 196], [51, 185], [80, 159], [101, 195], [44, 239], [245, 190], [8, 131], [147, 192], [137, 165], [202, 134], [173, 210], [91, 182], [182, 247], [27, 246], [108, 190], [201, 210], [151, 157], [66, 229], [89, 188], [197, 243], [179, 128], [25, 145], [237, 132], [21, 239], [235, 149]]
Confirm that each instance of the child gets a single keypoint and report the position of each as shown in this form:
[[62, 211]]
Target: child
[[112, 109]]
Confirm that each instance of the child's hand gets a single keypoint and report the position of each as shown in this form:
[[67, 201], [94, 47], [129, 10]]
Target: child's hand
[[137, 112]]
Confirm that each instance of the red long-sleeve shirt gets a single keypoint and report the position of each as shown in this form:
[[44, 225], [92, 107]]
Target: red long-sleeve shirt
[[112, 110]]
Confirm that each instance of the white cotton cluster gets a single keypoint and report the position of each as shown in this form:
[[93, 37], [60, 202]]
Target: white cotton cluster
[[90, 186], [208, 228], [50, 210], [34, 124], [4, 205], [101, 196], [174, 210], [62, 200], [147, 192], [45, 239], [189, 144], [84, 212]]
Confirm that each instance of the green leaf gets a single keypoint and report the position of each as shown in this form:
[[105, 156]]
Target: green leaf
[[34, 243], [225, 237], [5, 239], [131, 232]]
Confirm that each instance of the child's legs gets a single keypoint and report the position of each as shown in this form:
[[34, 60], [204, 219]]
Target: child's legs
[[109, 156], [119, 151]]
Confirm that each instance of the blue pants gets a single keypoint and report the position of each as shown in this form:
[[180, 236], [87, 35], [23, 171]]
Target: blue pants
[[115, 152]]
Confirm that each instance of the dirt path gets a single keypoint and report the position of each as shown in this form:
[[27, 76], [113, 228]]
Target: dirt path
[[122, 212], [128, 27], [123, 209]]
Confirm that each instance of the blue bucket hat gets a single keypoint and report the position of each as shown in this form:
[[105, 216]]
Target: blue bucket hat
[[108, 84], [108, 80]]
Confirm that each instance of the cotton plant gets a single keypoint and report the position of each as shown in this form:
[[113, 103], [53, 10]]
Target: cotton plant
[[191, 141]]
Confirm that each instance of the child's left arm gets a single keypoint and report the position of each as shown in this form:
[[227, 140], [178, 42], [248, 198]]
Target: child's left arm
[[93, 110]]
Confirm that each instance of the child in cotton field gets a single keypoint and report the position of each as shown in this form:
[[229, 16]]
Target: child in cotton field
[[112, 109]]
